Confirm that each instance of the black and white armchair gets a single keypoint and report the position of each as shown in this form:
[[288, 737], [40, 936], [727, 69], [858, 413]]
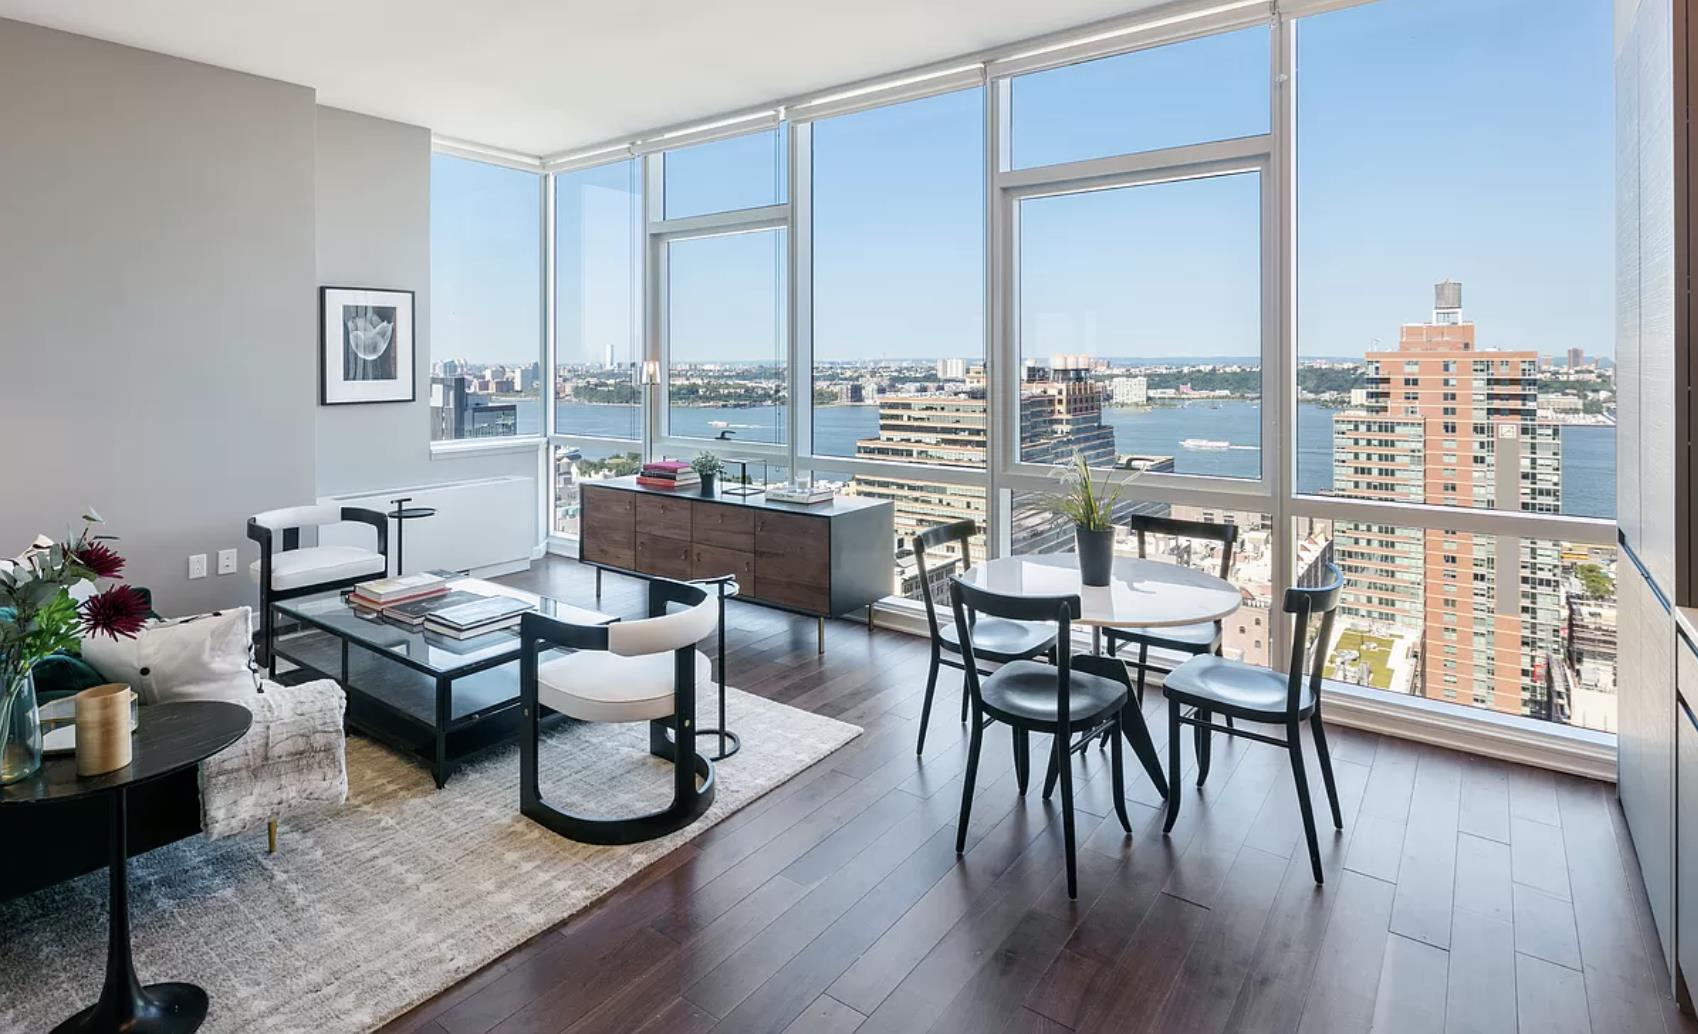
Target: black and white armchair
[[286, 569], [647, 670]]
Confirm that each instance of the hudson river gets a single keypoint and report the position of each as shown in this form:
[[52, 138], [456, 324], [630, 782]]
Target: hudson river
[[1588, 452]]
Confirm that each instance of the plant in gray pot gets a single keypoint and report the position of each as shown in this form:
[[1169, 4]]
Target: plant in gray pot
[[1089, 504], [708, 466]]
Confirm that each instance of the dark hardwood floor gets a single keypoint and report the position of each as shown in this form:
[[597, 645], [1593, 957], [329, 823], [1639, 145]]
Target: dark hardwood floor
[[1463, 895]]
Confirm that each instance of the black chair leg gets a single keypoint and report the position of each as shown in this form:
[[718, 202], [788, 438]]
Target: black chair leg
[[926, 708], [1067, 822], [967, 786], [1058, 750], [1113, 646], [1022, 758], [269, 621], [1325, 755], [1205, 741], [1117, 761], [1301, 778], [1143, 666], [1173, 762], [964, 694]]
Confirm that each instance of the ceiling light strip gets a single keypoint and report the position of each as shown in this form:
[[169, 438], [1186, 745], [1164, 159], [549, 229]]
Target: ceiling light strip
[[587, 158], [1149, 32], [704, 132], [887, 91]]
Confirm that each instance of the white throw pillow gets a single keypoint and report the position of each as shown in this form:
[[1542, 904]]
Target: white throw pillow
[[205, 657]]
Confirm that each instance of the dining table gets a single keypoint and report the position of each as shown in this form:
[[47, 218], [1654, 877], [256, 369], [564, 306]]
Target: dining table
[[1141, 593]]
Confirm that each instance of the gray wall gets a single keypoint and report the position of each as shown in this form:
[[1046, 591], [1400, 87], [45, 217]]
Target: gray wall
[[373, 219], [156, 245]]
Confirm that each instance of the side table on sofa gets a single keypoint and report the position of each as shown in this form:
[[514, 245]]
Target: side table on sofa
[[170, 739]]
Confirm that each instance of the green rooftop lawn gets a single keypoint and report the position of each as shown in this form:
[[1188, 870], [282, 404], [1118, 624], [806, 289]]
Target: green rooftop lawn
[[1373, 651]]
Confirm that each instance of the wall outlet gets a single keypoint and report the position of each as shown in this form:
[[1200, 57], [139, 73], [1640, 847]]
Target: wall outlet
[[226, 561], [197, 566]]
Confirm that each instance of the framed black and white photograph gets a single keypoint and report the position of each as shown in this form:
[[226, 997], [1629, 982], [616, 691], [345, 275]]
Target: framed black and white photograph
[[365, 346]]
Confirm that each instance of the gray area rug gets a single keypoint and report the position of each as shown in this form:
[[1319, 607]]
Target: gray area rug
[[368, 910]]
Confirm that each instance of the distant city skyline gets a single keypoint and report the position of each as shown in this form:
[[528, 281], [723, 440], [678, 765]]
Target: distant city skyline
[[1424, 130]]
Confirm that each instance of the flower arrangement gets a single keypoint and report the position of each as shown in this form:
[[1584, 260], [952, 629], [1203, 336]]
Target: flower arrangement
[[39, 617]]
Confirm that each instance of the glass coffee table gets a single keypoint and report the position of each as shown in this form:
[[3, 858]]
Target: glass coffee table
[[429, 695]]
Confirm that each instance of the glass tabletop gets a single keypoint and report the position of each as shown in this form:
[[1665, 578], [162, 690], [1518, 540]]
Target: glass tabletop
[[428, 651]]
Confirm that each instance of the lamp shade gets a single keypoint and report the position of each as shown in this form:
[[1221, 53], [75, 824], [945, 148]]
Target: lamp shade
[[649, 376]]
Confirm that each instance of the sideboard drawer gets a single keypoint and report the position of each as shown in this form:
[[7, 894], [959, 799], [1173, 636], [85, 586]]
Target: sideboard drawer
[[667, 557], [729, 527], [663, 516], [606, 532], [714, 561], [607, 501], [794, 548], [815, 599]]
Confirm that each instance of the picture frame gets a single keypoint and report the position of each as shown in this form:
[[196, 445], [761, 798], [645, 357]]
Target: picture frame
[[366, 346]]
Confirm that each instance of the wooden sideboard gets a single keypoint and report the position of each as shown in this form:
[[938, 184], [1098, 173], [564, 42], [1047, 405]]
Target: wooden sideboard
[[825, 560]]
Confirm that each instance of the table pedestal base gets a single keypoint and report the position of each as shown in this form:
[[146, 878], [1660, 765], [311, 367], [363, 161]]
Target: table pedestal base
[[154, 1009]]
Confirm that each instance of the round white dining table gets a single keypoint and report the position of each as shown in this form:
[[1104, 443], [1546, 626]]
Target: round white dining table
[[1140, 593]]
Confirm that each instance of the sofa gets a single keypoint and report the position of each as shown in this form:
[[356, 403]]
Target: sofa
[[291, 759]]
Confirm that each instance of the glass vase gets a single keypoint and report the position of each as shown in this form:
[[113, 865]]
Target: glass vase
[[20, 730]]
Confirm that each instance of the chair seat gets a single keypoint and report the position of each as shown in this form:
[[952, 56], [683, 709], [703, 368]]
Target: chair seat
[[319, 565], [1236, 688], [1025, 692], [1198, 638], [999, 639], [598, 686]]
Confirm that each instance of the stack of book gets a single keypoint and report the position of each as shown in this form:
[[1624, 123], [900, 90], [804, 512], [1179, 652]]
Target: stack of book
[[379, 596], [477, 617], [668, 474]]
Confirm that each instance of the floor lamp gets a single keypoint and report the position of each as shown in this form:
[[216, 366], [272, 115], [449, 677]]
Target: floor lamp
[[648, 378]]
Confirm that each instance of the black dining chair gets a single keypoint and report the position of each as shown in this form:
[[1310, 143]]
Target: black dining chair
[[995, 641], [1031, 696], [1211, 685], [1194, 640]]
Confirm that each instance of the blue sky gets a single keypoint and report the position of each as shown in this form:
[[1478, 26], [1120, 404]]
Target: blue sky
[[1468, 139]]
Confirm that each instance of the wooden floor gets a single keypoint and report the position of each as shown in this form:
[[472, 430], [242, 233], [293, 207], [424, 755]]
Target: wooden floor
[[1462, 894]]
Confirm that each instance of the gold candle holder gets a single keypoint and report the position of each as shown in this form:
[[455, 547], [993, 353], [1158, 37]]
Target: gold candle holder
[[103, 728]]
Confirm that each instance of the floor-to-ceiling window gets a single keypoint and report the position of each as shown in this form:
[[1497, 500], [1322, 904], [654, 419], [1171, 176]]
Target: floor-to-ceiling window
[[486, 342], [1328, 278]]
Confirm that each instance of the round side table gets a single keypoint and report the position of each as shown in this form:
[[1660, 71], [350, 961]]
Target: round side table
[[729, 742], [170, 737], [401, 515]]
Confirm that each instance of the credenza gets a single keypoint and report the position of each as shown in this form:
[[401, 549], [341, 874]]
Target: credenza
[[825, 560]]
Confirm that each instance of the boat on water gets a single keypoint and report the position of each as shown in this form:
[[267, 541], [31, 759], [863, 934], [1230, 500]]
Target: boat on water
[[719, 423], [1204, 443]]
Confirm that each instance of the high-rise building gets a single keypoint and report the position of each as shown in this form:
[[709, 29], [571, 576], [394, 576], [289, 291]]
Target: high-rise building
[[1130, 391], [951, 369], [1452, 615], [1576, 358]]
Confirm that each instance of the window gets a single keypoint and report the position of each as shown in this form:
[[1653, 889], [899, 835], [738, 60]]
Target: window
[[726, 175], [1213, 88], [898, 305], [597, 277], [1488, 84], [485, 300], [574, 464], [1542, 644], [726, 339], [1140, 326]]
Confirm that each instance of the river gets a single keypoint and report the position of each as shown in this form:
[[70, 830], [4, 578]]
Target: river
[[1588, 452]]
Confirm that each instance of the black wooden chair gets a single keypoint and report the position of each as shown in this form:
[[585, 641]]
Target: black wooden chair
[[1195, 640], [1210, 685], [995, 641], [648, 670], [1032, 696]]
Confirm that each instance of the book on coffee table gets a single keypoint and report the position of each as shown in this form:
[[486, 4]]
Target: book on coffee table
[[476, 617]]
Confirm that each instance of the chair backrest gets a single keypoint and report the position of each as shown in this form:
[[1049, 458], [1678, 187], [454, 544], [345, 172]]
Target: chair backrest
[[298, 517], [936, 538], [968, 601], [1142, 524], [666, 629], [1305, 604]]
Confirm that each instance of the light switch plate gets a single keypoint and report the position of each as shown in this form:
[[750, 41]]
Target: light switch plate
[[226, 561], [197, 566]]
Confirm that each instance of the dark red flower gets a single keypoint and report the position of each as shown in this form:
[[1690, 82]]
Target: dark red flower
[[120, 610], [99, 558]]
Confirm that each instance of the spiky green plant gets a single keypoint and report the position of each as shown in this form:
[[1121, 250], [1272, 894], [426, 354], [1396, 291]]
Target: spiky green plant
[[1085, 500]]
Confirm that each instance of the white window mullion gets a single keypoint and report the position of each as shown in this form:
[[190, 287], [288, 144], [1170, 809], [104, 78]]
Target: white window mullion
[[800, 285]]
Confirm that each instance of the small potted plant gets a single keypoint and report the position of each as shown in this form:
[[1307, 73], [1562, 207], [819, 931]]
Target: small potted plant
[[707, 467], [1089, 504]]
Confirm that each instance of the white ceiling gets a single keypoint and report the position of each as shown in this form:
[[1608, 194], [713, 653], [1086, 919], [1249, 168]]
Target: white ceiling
[[545, 76]]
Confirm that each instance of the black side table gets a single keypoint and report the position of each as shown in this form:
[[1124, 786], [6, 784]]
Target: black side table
[[727, 586], [170, 737], [401, 515]]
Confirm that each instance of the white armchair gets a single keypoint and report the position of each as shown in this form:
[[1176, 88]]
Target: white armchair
[[631, 671], [286, 569]]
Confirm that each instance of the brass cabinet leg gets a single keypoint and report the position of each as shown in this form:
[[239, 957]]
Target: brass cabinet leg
[[271, 837], [820, 635]]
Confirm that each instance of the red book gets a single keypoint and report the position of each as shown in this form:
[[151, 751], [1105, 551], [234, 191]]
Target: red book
[[667, 465], [659, 483]]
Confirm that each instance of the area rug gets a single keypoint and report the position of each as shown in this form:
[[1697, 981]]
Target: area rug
[[368, 910]]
